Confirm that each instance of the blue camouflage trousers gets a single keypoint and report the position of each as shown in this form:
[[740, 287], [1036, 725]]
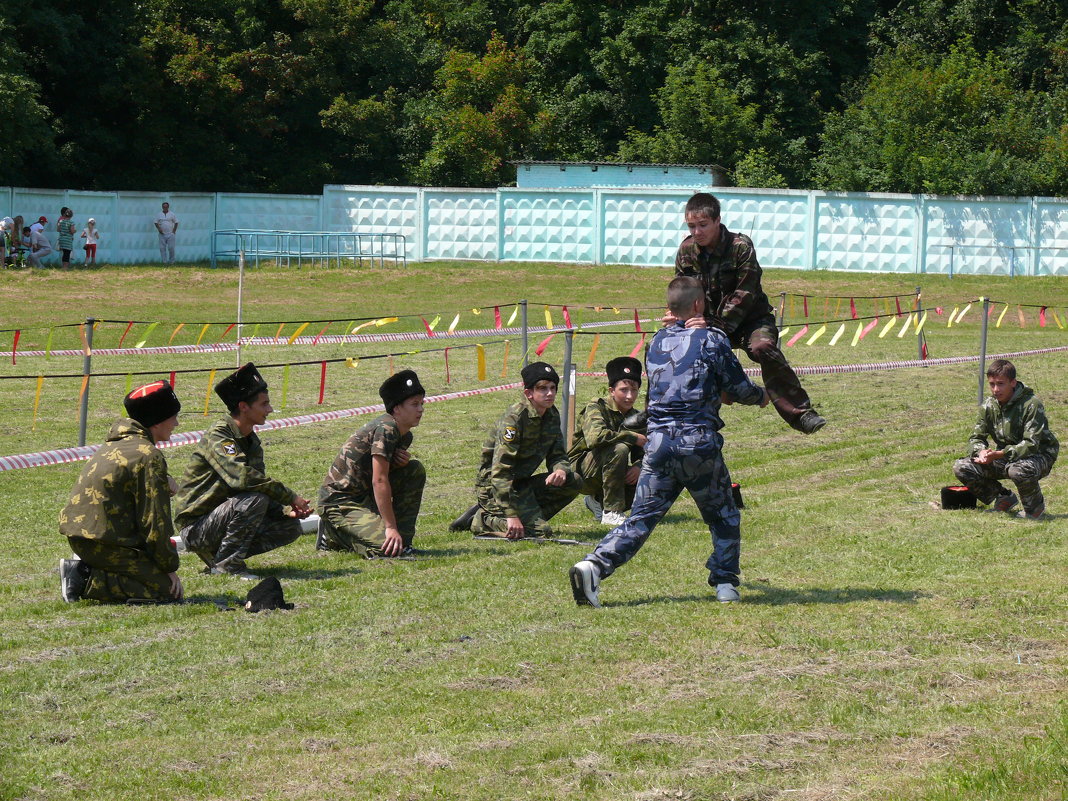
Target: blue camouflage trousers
[[677, 459]]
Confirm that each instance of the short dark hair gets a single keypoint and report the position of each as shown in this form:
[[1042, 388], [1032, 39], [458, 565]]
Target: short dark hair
[[1001, 368], [681, 294], [703, 203]]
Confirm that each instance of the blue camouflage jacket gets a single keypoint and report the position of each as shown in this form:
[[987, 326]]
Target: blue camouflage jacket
[[688, 369]]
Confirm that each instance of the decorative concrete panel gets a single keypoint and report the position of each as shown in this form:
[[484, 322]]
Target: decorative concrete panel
[[777, 223], [977, 237], [460, 225], [268, 212], [643, 229], [866, 234], [548, 226], [1052, 219]]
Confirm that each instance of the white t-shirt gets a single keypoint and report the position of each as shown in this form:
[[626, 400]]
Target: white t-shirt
[[166, 222], [38, 241], [36, 228], [91, 236]]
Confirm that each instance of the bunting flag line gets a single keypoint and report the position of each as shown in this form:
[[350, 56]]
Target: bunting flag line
[[48, 344], [229, 328], [567, 318], [548, 319], [36, 401], [352, 361], [1057, 319], [203, 331], [435, 321], [919, 326], [952, 316], [278, 333], [144, 337], [856, 335], [797, 336], [1020, 312], [15, 344], [481, 351], [122, 339], [1042, 317], [837, 335], [837, 307], [448, 378], [515, 312], [593, 350], [869, 327], [543, 344], [853, 308], [297, 333], [1001, 316], [85, 341], [783, 332], [963, 312], [317, 336], [637, 348], [172, 379], [819, 332], [207, 395], [637, 324], [805, 299], [429, 330], [285, 385], [455, 321], [497, 317], [174, 333], [504, 367], [476, 310], [905, 326], [886, 328], [322, 381]]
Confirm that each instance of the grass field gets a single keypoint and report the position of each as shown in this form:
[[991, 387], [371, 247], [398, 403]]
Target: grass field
[[884, 649]]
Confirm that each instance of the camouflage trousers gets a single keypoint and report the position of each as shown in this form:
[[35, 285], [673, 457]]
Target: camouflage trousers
[[536, 503], [603, 471], [120, 573], [760, 341], [356, 526], [983, 479], [678, 459], [244, 525]]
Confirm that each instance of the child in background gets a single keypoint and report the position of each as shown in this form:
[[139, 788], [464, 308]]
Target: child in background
[[65, 241], [91, 235]]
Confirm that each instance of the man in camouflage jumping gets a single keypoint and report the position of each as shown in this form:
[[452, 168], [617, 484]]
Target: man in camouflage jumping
[[371, 495], [690, 371]]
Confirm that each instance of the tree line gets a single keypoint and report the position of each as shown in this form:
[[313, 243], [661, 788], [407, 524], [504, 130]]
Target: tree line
[[931, 96]]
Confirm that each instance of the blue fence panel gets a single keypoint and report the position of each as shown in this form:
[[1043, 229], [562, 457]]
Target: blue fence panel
[[776, 220], [866, 233], [268, 212], [642, 228], [460, 224], [548, 226], [1051, 256], [969, 236]]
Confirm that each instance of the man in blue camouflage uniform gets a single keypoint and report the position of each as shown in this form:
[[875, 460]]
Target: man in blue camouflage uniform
[[735, 303], [691, 370]]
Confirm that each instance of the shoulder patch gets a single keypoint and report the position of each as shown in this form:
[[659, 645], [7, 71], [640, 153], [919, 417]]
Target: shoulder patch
[[229, 447], [509, 433]]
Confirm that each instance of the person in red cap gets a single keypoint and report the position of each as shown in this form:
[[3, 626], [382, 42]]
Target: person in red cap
[[118, 518], [228, 508]]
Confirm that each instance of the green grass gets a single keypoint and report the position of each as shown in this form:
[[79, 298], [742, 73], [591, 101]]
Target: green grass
[[883, 649]]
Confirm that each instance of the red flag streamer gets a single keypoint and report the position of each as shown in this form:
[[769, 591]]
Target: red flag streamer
[[544, 344], [924, 347], [1041, 323], [897, 300], [429, 330], [15, 344], [853, 308], [990, 311], [637, 325], [497, 317], [797, 336], [316, 340], [637, 348], [227, 331], [129, 325], [804, 298], [869, 327], [448, 377], [567, 318], [172, 379], [322, 382]]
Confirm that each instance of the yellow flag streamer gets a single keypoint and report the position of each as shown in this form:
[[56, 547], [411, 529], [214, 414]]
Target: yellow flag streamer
[[202, 332], [481, 362], [48, 344], [952, 316], [783, 332], [548, 318], [1001, 316], [905, 326], [144, 338], [432, 324], [207, 395], [616, 310], [819, 332], [1057, 320], [515, 311], [856, 336], [963, 312], [455, 320], [923, 321], [837, 306], [352, 361], [476, 310], [837, 335], [504, 369], [36, 401], [361, 326], [278, 333], [886, 328], [285, 384], [297, 333], [593, 351], [174, 333]]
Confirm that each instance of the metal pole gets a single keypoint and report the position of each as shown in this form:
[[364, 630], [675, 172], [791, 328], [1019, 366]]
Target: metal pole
[[240, 296], [919, 314], [87, 370], [569, 386], [523, 321], [982, 350]]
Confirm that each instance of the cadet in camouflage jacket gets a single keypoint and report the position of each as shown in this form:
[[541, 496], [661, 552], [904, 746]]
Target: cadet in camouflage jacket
[[507, 486], [601, 442], [118, 519]]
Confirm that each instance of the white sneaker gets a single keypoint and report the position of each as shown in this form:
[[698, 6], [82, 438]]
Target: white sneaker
[[613, 519], [585, 579], [727, 593]]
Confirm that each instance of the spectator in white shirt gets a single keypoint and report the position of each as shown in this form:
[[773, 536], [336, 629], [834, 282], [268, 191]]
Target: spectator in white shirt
[[167, 226]]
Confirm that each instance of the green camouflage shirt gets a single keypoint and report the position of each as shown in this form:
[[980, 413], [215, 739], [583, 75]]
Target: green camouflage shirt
[[730, 275], [515, 449], [600, 423], [122, 498], [225, 464], [1019, 428], [349, 477]]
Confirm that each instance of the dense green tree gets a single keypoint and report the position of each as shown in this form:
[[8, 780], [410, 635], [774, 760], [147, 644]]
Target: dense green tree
[[26, 139]]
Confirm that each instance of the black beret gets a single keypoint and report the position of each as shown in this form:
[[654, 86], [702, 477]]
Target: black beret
[[538, 371], [152, 403], [624, 367], [396, 389], [242, 385]]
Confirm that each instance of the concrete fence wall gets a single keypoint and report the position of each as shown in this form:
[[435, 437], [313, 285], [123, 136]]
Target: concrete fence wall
[[791, 228]]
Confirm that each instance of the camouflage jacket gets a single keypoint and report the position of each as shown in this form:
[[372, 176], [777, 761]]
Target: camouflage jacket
[[349, 477], [1019, 427], [688, 369], [122, 498], [730, 275], [515, 449], [600, 423], [225, 464]]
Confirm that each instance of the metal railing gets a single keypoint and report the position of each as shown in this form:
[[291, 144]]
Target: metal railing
[[314, 246]]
